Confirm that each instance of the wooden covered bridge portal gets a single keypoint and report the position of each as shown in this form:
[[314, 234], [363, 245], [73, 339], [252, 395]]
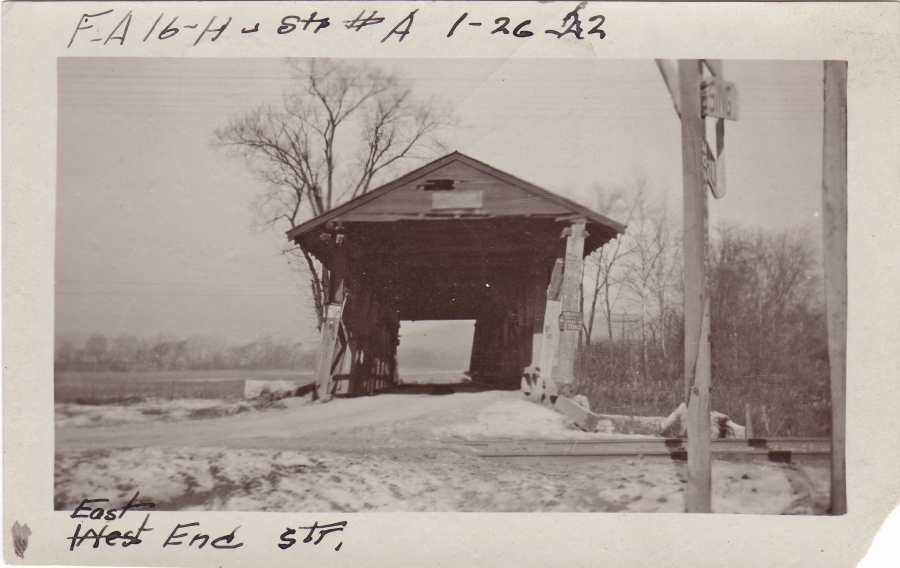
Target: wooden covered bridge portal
[[455, 239]]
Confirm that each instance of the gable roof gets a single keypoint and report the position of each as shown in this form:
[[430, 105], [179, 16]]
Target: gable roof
[[570, 208]]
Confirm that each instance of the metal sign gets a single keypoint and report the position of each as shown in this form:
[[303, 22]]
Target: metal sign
[[457, 199], [714, 162], [709, 167], [714, 179], [571, 321], [719, 99]]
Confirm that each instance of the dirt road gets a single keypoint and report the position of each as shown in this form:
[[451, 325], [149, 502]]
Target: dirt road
[[390, 453]]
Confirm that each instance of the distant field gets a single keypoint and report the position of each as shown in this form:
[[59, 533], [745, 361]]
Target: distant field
[[98, 388], [188, 375], [94, 388]]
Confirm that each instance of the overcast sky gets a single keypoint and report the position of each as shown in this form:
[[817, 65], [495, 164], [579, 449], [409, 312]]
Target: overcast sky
[[154, 226]]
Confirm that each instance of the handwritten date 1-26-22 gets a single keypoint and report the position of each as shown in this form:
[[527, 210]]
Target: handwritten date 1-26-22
[[571, 25], [108, 27]]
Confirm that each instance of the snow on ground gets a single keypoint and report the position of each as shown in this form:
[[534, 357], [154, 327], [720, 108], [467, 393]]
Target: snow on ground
[[260, 480], [256, 388], [390, 453], [521, 419], [84, 415]]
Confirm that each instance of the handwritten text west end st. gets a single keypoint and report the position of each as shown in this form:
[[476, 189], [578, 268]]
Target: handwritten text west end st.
[[115, 28], [99, 510]]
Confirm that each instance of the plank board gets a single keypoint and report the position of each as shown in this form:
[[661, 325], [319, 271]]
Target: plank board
[[583, 418]]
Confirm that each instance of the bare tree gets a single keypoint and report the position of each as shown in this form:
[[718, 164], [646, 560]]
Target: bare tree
[[648, 270], [767, 293], [604, 262], [664, 278], [342, 126], [638, 269]]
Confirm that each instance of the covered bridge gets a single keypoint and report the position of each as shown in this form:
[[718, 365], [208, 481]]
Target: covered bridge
[[454, 239]]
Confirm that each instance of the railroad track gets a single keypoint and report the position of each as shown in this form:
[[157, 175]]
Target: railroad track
[[775, 449]]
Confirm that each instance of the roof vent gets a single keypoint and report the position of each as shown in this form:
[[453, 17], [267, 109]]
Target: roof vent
[[438, 185]]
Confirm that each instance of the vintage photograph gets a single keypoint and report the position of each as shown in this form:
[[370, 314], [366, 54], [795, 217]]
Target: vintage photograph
[[446, 285]]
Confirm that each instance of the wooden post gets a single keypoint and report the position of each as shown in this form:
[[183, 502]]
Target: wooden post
[[372, 353], [834, 221], [550, 342], [536, 304], [699, 445], [331, 325], [748, 421], [479, 349], [394, 371], [358, 318], [525, 321], [696, 300], [539, 297], [325, 354], [570, 318]]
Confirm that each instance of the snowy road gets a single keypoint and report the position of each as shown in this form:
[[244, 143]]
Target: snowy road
[[388, 453]]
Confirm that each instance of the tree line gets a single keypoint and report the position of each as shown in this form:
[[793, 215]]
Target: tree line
[[128, 353], [768, 332]]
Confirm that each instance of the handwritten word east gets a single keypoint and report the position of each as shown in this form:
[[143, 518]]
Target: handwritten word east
[[129, 538], [98, 512]]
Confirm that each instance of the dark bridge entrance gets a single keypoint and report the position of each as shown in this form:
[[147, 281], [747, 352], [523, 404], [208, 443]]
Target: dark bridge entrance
[[455, 239]]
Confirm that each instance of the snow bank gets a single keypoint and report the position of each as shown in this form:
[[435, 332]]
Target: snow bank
[[520, 419], [254, 388]]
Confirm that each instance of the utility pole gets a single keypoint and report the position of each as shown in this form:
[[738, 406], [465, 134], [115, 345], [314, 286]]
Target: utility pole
[[696, 99], [834, 224], [696, 298]]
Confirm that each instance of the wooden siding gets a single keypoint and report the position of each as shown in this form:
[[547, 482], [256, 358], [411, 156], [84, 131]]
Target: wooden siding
[[498, 198]]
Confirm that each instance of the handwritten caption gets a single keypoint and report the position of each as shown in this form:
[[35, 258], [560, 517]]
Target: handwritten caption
[[98, 510], [109, 27]]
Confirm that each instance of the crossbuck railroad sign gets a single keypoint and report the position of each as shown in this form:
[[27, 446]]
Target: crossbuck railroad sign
[[718, 99]]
